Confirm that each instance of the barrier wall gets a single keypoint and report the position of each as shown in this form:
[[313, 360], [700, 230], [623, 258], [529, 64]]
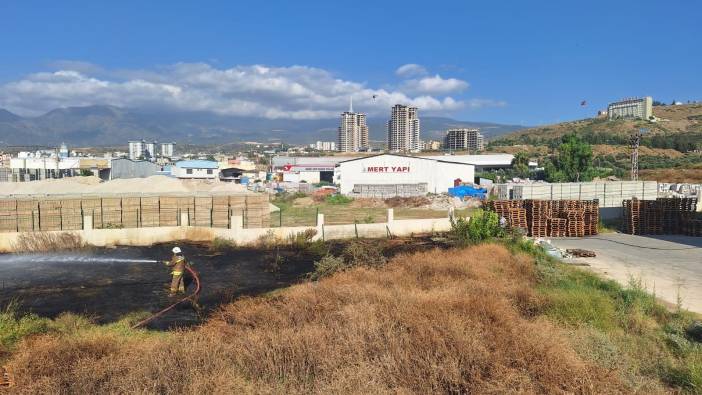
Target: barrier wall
[[608, 193], [241, 235], [116, 212]]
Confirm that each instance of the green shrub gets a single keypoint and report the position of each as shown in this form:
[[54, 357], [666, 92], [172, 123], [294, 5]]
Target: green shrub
[[481, 226], [14, 327], [338, 199]]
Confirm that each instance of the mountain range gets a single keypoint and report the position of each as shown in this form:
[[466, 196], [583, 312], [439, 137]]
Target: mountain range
[[102, 125]]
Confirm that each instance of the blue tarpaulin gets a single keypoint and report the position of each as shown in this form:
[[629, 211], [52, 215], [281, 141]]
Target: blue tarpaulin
[[465, 190]]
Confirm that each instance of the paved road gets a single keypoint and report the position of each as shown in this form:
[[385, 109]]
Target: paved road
[[670, 264]]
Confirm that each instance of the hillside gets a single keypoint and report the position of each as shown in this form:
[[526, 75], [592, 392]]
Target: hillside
[[674, 142], [679, 123], [109, 125]]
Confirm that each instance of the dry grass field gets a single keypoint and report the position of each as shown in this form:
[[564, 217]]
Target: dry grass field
[[477, 320]]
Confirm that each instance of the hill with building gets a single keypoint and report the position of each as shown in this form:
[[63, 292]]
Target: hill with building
[[671, 139], [105, 125], [677, 123]]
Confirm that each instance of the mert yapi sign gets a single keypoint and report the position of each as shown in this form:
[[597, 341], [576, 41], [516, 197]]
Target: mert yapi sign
[[387, 169]]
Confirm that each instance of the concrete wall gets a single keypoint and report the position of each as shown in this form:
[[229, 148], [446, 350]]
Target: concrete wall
[[240, 235], [609, 193]]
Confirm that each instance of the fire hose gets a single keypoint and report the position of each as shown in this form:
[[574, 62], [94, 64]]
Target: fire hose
[[190, 297]]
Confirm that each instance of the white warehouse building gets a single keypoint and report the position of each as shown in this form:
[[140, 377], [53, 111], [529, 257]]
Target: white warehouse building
[[388, 175]]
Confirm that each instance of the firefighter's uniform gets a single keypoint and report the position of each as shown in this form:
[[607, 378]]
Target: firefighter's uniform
[[178, 263]]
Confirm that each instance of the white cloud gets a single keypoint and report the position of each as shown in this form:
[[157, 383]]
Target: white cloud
[[434, 85], [298, 92], [410, 70]]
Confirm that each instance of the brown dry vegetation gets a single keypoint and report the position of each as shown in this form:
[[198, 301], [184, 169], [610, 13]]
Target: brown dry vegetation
[[47, 241], [456, 321], [673, 175]]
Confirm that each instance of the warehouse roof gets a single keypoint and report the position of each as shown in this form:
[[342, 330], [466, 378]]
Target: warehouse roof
[[436, 158], [478, 160], [197, 164]]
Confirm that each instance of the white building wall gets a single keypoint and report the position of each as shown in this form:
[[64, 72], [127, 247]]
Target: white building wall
[[390, 169], [196, 173], [311, 177]]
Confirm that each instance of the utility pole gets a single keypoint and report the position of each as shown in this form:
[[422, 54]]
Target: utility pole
[[635, 141]]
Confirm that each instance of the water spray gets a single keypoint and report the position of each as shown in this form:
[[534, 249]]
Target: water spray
[[60, 258]]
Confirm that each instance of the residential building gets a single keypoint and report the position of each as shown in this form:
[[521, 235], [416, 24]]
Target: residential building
[[199, 169], [324, 146], [167, 150], [403, 129], [150, 150], [464, 139], [431, 145], [136, 149], [632, 108], [353, 131]]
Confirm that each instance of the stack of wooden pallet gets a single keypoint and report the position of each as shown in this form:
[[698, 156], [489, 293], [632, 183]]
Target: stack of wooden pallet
[[8, 215], [660, 216], [149, 212], [27, 215], [71, 214], [93, 207], [517, 219], [168, 213], [576, 223], [558, 227], [112, 212], [257, 212], [632, 216], [591, 217], [538, 213], [131, 212], [50, 214], [220, 211], [203, 211]]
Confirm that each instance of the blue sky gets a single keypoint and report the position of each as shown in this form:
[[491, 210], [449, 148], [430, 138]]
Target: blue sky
[[502, 61]]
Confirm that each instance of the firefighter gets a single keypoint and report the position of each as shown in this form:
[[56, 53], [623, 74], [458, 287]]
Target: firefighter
[[178, 264]]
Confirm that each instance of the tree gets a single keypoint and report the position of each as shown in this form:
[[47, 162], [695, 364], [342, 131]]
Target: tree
[[573, 163], [520, 164]]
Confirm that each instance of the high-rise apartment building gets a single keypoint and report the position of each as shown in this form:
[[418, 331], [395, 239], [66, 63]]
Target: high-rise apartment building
[[136, 149], [403, 129], [353, 131], [140, 149], [464, 139], [641, 108], [167, 150]]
